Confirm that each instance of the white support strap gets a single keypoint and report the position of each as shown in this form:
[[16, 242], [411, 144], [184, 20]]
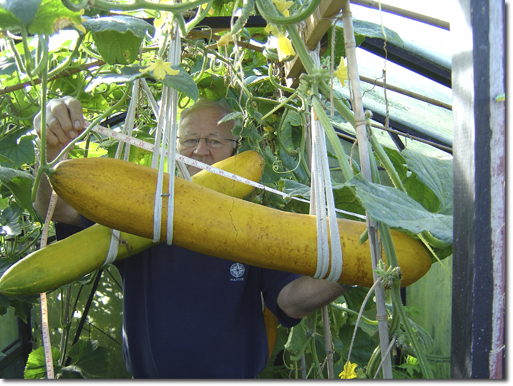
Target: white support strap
[[167, 125], [127, 130], [322, 196], [174, 56]]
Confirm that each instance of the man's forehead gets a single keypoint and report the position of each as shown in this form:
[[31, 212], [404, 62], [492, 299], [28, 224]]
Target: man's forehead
[[194, 133]]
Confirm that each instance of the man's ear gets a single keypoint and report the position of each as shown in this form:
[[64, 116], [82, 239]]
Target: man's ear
[[236, 147]]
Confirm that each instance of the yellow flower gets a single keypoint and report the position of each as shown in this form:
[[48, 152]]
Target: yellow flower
[[283, 6], [348, 372], [285, 49], [341, 72], [225, 39], [271, 29], [160, 69]]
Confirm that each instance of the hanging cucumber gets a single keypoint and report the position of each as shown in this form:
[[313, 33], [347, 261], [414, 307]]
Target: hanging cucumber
[[247, 8]]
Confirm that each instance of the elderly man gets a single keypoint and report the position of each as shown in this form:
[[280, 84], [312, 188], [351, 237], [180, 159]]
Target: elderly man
[[188, 315]]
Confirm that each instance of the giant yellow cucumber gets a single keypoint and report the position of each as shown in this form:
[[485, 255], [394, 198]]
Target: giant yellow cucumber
[[120, 195], [68, 260]]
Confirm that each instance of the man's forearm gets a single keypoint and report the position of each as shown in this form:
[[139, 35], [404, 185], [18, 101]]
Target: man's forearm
[[305, 295]]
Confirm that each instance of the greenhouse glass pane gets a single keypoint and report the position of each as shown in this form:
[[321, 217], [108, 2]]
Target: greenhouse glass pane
[[420, 116], [426, 40], [423, 40]]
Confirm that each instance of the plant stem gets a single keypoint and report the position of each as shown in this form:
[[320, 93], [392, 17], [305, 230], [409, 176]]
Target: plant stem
[[199, 17], [142, 4], [266, 10], [26, 49], [328, 341], [424, 366], [68, 61], [43, 163], [353, 312]]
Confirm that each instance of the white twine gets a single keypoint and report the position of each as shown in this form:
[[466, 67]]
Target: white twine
[[167, 124], [174, 56], [153, 102], [322, 195], [336, 247], [127, 130], [317, 196], [157, 159]]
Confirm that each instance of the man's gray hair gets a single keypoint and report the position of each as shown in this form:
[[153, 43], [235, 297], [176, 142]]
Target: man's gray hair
[[220, 105]]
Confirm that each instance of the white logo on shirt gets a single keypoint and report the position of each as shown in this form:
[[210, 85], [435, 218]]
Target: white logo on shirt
[[237, 271]]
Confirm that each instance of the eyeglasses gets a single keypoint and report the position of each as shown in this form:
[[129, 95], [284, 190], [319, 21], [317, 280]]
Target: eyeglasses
[[212, 142]]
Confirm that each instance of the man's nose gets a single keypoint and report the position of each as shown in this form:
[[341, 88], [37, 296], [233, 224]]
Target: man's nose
[[201, 148]]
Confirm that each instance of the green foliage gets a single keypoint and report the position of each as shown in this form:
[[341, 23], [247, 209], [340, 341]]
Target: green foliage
[[118, 38], [15, 12], [20, 185], [89, 360], [399, 210]]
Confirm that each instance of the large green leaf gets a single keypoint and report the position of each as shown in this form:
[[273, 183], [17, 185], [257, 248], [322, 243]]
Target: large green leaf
[[415, 188], [6, 160], [362, 29], [19, 149], [293, 165], [373, 30], [297, 338], [212, 86], [20, 185], [269, 177], [362, 347], [36, 365], [89, 359], [17, 12], [398, 210], [118, 38], [7, 65], [340, 47], [10, 220], [437, 174], [51, 17]]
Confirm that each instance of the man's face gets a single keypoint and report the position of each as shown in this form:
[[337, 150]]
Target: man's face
[[203, 124]]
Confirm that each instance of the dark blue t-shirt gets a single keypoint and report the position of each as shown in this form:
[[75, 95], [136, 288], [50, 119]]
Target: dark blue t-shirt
[[188, 315]]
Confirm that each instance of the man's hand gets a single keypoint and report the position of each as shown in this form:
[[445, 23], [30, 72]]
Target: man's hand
[[64, 122]]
